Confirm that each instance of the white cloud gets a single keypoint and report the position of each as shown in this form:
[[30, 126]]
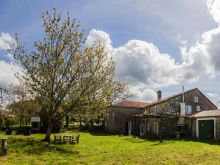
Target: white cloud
[[214, 9], [102, 37], [204, 56], [144, 67], [6, 40], [7, 74], [141, 62], [7, 69], [142, 93]]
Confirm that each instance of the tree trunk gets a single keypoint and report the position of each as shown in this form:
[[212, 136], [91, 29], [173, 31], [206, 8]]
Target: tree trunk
[[80, 121], [26, 121], [49, 129], [67, 121], [20, 120]]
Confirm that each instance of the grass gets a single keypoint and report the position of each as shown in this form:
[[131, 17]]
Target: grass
[[101, 148]]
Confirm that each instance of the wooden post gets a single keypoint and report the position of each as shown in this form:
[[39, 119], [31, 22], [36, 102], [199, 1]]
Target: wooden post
[[67, 121], [161, 128], [4, 146]]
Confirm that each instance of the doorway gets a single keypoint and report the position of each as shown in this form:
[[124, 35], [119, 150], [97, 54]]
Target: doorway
[[206, 129], [128, 128]]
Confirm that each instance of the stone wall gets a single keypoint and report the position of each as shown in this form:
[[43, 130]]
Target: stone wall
[[203, 101], [193, 128], [172, 106], [118, 117], [217, 119], [217, 128]]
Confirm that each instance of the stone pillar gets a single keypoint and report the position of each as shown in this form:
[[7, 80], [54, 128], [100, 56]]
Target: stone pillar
[[4, 146]]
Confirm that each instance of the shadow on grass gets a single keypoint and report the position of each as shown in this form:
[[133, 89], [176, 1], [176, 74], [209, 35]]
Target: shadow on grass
[[211, 142], [99, 133], [169, 141], [134, 139], [37, 147], [156, 142]]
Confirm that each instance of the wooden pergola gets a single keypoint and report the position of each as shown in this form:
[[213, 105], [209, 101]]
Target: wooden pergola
[[161, 116]]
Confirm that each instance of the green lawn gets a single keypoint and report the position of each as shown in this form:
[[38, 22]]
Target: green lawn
[[106, 149]]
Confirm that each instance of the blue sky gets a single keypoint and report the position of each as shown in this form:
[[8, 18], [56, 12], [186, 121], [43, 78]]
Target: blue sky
[[166, 39]]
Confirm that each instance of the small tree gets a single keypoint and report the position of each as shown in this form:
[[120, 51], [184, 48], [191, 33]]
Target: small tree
[[23, 105], [2, 122], [17, 107], [61, 72]]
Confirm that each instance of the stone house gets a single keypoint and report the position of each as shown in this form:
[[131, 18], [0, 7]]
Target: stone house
[[186, 114], [119, 116], [172, 116]]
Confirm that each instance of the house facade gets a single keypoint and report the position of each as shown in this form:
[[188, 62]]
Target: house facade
[[180, 115], [119, 117], [172, 116]]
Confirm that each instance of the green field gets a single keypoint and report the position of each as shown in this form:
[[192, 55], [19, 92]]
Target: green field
[[107, 149]]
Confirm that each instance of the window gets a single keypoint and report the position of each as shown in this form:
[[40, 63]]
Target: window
[[141, 129], [197, 108], [156, 129], [196, 99], [148, 126], [129, 128], [188, 109]]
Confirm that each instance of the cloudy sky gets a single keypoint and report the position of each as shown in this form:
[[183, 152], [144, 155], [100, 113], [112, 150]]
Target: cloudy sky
[[156, 44]]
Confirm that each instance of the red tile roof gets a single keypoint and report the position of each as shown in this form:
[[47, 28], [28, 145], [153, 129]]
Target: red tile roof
[[128, 103], [208, 113]]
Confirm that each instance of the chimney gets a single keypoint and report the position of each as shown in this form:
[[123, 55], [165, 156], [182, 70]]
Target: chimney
[[159, 94]]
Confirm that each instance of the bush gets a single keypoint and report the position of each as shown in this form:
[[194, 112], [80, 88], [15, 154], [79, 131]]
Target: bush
[[10, 121], [8, 131]]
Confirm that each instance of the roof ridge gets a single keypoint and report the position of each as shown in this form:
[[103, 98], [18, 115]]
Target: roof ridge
[[131, 103], [171, 96]]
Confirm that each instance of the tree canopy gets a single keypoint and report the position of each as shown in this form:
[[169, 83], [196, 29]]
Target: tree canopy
[[65, 74]]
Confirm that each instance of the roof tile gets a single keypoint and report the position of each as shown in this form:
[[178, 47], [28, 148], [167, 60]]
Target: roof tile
[[129, 103]]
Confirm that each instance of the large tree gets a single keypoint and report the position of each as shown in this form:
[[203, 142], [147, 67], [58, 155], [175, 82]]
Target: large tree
[[62, 72]]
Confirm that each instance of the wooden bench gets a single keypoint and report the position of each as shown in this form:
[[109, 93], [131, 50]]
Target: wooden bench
[[57, 138], [67, 138], [75, 139]]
